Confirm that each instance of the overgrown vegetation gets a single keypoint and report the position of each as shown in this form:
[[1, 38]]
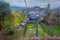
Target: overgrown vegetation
[[9, 21]]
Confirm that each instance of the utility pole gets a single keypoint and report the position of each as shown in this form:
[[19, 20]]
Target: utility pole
[[25, 19], [36, 25], [26, 8], [26, 4]]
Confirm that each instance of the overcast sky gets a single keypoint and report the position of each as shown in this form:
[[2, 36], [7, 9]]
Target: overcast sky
[[30, 3]]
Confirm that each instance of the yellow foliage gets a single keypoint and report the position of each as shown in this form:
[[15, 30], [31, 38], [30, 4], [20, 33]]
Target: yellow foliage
[[17, 18]]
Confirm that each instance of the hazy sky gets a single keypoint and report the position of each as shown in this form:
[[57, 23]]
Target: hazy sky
[[30, 3], [1, 0]]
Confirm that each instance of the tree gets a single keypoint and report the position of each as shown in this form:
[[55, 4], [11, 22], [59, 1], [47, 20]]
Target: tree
[[5, 17], [57, 17]]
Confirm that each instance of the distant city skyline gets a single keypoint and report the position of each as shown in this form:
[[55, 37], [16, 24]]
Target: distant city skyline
[[31, 3]]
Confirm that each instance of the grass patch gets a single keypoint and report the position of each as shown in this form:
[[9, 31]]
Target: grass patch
[[56, 29]]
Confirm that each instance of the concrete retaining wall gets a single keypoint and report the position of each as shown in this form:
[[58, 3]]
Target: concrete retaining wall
[[2, 37], [43, 38]]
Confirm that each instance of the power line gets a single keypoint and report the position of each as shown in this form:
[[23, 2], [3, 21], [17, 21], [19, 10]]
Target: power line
[[26, 3]]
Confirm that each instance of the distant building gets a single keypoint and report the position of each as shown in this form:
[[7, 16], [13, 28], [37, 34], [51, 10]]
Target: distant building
[[33, 14]]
